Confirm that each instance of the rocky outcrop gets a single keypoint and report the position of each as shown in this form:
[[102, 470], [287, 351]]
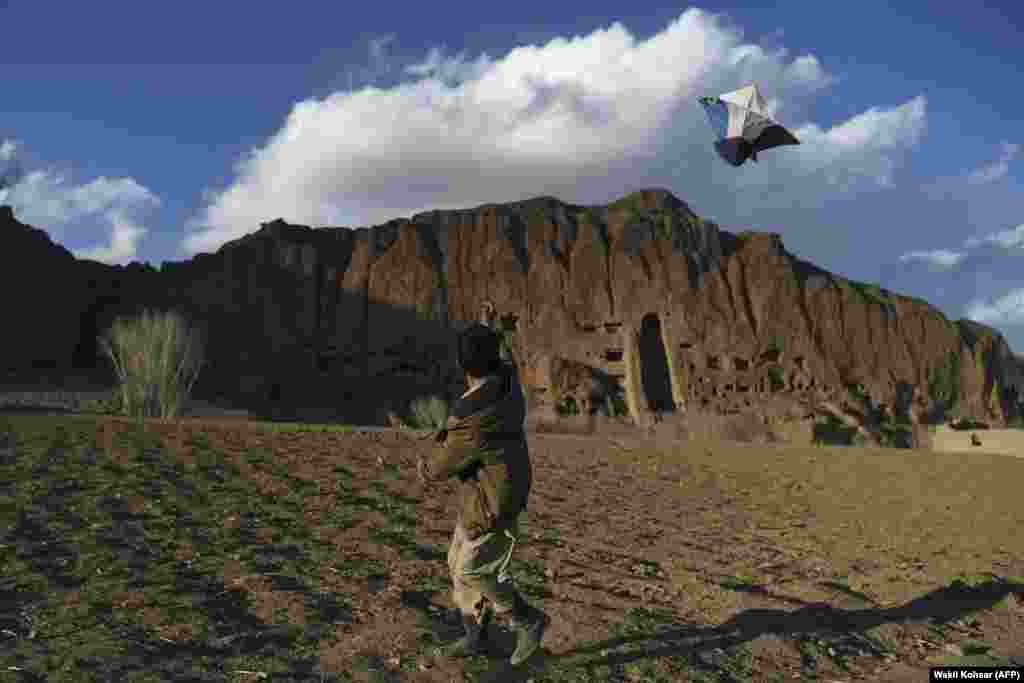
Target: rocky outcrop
[[640, 300], [45, 295]]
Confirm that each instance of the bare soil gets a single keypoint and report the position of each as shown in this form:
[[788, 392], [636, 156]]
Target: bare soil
[[998, 441], [657, 560]]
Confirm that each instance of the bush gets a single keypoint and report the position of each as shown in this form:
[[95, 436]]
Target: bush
[[944, 382], [157, 358], [617, 405], [430, 412], [893, 435], [830, 431], [567, 407], [964, 424]]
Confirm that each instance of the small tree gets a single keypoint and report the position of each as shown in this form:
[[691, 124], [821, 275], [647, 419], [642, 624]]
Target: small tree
[[157, 358]]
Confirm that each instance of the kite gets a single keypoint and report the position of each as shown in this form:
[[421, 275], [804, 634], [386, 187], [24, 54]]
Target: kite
[[743, 126]]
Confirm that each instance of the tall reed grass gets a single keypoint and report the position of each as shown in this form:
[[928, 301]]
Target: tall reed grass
[[429, 412], [157, 357]]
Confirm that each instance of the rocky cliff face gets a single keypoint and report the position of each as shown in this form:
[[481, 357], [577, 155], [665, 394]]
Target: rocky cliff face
[[640, 298]]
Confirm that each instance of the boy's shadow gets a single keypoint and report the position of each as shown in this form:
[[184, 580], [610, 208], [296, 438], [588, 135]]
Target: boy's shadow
[[945, 604]]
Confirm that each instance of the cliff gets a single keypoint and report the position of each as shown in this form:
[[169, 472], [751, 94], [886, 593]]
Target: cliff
[[641, 295]]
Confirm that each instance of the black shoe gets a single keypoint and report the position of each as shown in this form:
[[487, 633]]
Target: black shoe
[[528, 623], [474, 642]]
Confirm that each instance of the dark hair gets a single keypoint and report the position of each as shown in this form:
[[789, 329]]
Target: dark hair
[[477, 349]]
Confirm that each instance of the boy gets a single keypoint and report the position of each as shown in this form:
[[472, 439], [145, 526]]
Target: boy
[[484, 445]]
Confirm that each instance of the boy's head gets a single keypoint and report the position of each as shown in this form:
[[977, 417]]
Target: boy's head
[[478, 351]]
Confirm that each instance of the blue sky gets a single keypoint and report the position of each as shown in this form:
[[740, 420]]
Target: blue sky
[[148, 132]]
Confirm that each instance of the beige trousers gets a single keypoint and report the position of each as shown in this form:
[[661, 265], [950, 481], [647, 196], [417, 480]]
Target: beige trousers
[[478, 569]]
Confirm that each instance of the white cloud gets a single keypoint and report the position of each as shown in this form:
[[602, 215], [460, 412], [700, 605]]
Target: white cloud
[[807, 69], [70, 212], [997, 169], [48, 198], [7, 150], [1007, 309], [940, 258], [1007, 239], [863, 146], [452, 70], [11, 172], [124, 237], [583, 118]]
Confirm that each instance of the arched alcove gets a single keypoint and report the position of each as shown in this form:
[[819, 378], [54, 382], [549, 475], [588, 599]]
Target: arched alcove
[[654, 371]]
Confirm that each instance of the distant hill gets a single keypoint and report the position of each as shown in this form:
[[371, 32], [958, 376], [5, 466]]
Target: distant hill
[[640, 296]]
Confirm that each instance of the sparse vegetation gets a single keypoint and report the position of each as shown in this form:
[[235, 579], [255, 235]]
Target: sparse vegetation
[[895, 434], [429, 412], [870, 292], [776, 377], [616, 404], [737, 583], [567, 406], [247, 548], [944, 382], [505, 332], [965, 424], [157, 358], [830, 431], [536, 214], [663, 225], [629, 204]]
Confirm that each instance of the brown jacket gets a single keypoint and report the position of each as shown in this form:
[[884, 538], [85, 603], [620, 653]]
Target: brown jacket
[[486, 449]]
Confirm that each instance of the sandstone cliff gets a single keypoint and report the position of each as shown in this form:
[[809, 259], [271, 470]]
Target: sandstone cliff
[[640, 296]]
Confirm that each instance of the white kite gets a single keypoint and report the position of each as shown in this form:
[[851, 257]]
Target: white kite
[[743, 126]]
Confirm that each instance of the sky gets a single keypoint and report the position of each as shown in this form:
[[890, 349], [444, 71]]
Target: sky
[[150, 132]]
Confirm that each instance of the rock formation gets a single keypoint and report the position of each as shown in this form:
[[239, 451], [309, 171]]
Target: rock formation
[[640, 300]]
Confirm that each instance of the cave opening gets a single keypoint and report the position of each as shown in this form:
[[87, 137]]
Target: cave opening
[[654, 371]]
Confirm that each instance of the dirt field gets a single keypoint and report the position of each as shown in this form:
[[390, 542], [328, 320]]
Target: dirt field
[[704, 561], [1001, 441]]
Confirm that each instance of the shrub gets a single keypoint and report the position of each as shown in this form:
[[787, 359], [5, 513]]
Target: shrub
[[663, 226], [965, 424], [429, 412], [617, 405], [157, 358], [893, 435], [944, 382], [831, 431], [567, 406], [505, 333], [856, 391]]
